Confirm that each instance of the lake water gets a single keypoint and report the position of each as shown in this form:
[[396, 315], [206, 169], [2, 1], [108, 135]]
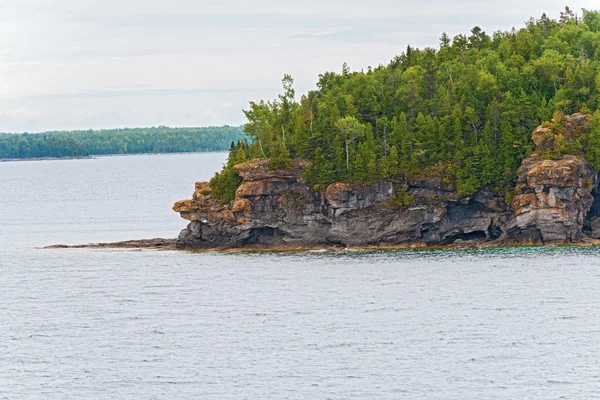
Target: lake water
[[116, 324]]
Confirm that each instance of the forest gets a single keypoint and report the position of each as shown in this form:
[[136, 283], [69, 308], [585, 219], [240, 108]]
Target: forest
[[160, 139], [464, 110]]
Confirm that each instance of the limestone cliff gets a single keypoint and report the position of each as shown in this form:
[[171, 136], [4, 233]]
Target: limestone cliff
[[553, 197], [552, 200], [552, 203], [276, 207]]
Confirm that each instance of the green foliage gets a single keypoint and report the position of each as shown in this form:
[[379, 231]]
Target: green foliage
[[509, 195], [118, 141], [401, 199], [280, 156], [469, 105], [225, 183], [40, 145], [592, 20]]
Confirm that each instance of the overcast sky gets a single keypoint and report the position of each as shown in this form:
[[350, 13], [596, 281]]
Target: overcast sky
[[79, 64]]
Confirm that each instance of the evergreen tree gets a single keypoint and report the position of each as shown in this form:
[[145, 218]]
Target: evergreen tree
[[466, 109]]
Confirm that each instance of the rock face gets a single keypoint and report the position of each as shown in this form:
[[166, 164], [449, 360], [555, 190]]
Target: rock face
[[555, 201], [552, 200], [277, 208], [570, 128]]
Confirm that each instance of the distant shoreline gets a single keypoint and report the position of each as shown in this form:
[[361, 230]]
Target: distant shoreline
[[95, 156], [46, 159]]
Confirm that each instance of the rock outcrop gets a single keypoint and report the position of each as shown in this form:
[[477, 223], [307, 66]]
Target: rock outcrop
[[567, 128], [555, 201], [277, 208], [552, 200]]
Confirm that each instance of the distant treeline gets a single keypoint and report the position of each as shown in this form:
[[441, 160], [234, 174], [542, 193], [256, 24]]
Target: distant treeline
[[118, 141]]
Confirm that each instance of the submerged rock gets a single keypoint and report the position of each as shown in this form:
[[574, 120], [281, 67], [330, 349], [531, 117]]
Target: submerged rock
[[156, 244]]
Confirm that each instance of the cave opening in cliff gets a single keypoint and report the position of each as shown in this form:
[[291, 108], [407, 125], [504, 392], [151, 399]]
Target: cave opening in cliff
[[591, 223], [263, 235], [466, 237], [494, 232]]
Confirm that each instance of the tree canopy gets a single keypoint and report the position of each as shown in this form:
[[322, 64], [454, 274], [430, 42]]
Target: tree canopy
[[465, 109]]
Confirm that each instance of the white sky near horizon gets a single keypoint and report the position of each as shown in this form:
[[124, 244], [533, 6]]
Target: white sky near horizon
[[86, 64]]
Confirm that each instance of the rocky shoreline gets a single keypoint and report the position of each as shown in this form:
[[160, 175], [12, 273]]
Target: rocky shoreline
[[171, 245], [157, 244], [555, 202]]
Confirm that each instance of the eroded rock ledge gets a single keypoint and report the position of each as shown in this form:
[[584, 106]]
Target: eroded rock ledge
[[554, 202]]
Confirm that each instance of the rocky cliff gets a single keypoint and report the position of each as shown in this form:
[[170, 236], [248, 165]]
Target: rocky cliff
[[554, 202]]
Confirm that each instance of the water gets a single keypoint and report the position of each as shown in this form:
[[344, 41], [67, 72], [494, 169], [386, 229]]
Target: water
[[112, 324]]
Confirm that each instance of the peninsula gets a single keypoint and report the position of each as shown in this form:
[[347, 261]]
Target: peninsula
[[483, 141], [435, 148], [554, 202]]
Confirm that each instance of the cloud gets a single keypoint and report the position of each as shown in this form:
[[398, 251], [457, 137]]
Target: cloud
[[21, 119], [111, 62], [21, 112], [139, 92]]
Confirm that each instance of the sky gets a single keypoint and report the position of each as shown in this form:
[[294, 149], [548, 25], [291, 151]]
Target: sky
[[88, 64]]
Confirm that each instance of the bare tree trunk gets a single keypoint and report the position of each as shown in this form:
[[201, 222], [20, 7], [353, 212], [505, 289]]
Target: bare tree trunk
[[260, 144], [385, 140], [451, 80], [495, 126], [347, 157]]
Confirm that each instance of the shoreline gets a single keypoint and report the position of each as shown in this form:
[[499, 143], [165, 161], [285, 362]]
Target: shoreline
[[47, 159], [96, 156], [161, 244]]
